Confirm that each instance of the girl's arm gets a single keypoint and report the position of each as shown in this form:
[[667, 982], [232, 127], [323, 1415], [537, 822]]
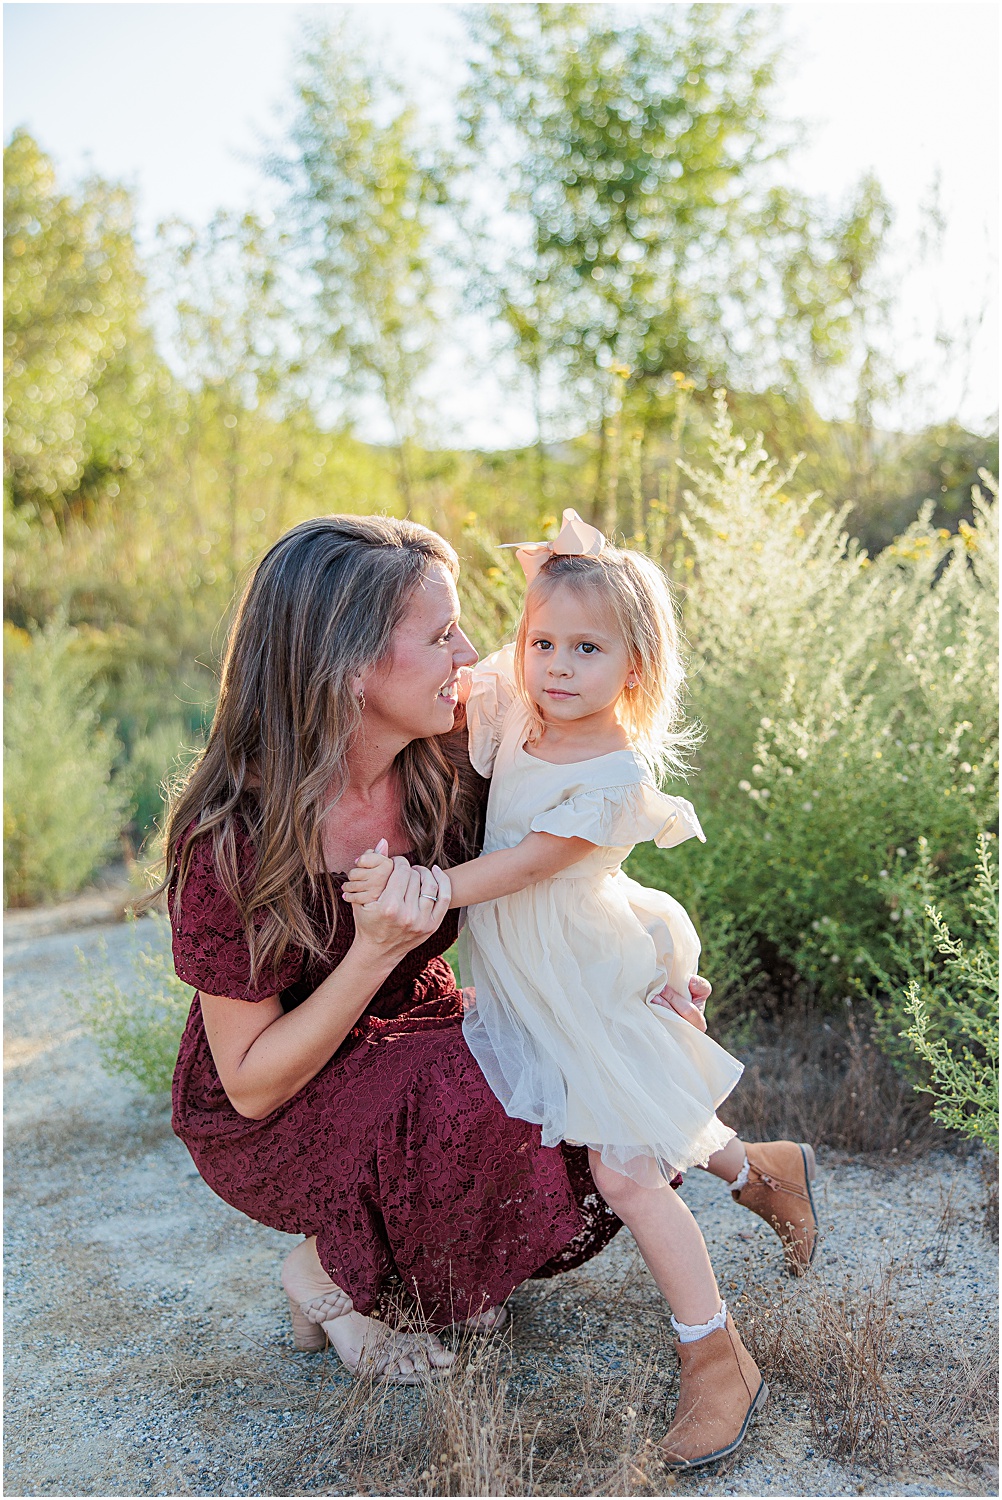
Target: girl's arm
[[264, 1055], [536, 858], [501, 873], [506, 871]]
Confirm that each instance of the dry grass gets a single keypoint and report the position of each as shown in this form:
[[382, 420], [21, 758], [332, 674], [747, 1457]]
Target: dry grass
[[498, 1424], [948, 1222], [505, 1423], [810, 1080], [477, 1444], [964, 1421], [886, 1383], [834, 1343], [597, 1436], [990, 1179]]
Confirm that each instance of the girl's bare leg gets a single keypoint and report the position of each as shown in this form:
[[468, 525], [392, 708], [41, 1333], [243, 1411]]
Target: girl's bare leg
[[669, 1239], [727, 1164]]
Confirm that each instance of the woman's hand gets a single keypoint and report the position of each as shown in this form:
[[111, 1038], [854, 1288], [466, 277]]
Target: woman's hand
[[265, 1055], [411, 907], [689, 1007]]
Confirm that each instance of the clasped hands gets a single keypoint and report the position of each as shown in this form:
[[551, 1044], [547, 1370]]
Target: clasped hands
[[397, 905], [430, 892], [373, 870]]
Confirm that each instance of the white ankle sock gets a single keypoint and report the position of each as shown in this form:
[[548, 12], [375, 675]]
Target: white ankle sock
[[741, 1178], [689, 1333]]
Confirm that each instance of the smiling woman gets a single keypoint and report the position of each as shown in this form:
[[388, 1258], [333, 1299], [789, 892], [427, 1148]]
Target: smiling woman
[[323, 1084]]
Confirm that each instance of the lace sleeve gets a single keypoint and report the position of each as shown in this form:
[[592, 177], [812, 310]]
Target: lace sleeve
[[209, 940]]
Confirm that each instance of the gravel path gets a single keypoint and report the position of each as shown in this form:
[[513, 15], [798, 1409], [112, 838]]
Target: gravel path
[[146, 1352]]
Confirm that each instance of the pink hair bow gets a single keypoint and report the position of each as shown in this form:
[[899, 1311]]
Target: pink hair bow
[[576, 539]]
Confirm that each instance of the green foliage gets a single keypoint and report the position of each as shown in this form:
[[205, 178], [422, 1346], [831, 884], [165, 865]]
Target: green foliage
[[230, 324], [639, 160], [849, 703], [80, 375], [364, 195], [155, 759], [137, 499], [137, 1025], [62, 811], [955, 1017]]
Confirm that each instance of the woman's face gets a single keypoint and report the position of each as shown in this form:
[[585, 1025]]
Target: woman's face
[[411, 693]]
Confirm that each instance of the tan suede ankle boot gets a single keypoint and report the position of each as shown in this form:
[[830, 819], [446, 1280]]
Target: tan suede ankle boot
[[779, 1191], [720, 1390]]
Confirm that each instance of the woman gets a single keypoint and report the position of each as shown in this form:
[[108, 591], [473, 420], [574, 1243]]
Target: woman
[[323, 1086]]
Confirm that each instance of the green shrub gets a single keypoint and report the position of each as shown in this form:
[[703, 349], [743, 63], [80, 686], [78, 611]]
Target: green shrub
[[849, 707], [138, 1026], [156, 758], [955, 1017], [62, 810]]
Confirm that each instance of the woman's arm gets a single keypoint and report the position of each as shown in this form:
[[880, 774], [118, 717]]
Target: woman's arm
[[264, 1055]]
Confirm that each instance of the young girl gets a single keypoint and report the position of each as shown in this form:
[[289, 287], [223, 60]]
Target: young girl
[[567, 954]]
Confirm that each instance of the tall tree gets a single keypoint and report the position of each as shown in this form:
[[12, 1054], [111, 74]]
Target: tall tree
[[365, 195], [233, 337], [649, 234], [80, 373]]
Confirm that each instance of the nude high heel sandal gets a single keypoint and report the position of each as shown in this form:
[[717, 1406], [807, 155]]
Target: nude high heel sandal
[[308, 1334]]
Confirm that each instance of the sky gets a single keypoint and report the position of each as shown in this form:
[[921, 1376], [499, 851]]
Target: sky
[[178, 100]]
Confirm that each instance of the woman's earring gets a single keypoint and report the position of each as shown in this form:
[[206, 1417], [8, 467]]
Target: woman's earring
[[360, 700]]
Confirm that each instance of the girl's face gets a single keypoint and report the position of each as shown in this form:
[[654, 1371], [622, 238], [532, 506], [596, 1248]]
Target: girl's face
[[411, 693], [576, 662]]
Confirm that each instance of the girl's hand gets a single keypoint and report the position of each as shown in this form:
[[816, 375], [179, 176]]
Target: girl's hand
[[410, 909], [463, 684], [367, 879], [689, 1007]]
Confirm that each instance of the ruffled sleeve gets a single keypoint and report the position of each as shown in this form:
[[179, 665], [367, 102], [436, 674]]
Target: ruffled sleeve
[[209, 941], [620, 816], [493, 693]]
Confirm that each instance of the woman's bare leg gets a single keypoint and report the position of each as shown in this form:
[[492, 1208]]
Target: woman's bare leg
[[669, 1239]]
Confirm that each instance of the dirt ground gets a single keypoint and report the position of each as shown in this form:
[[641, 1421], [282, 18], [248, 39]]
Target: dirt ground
[[147, 1351]]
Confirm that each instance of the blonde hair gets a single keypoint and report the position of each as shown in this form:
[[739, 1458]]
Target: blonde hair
[[317, 613], [638, 595]]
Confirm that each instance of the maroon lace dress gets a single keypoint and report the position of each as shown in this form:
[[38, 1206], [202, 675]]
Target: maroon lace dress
[[397, 1155]]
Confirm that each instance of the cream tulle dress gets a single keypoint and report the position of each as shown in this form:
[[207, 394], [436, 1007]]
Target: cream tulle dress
[[564, 971]]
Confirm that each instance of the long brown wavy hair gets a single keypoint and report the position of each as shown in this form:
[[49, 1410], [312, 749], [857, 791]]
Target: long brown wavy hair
[[318, 612]]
